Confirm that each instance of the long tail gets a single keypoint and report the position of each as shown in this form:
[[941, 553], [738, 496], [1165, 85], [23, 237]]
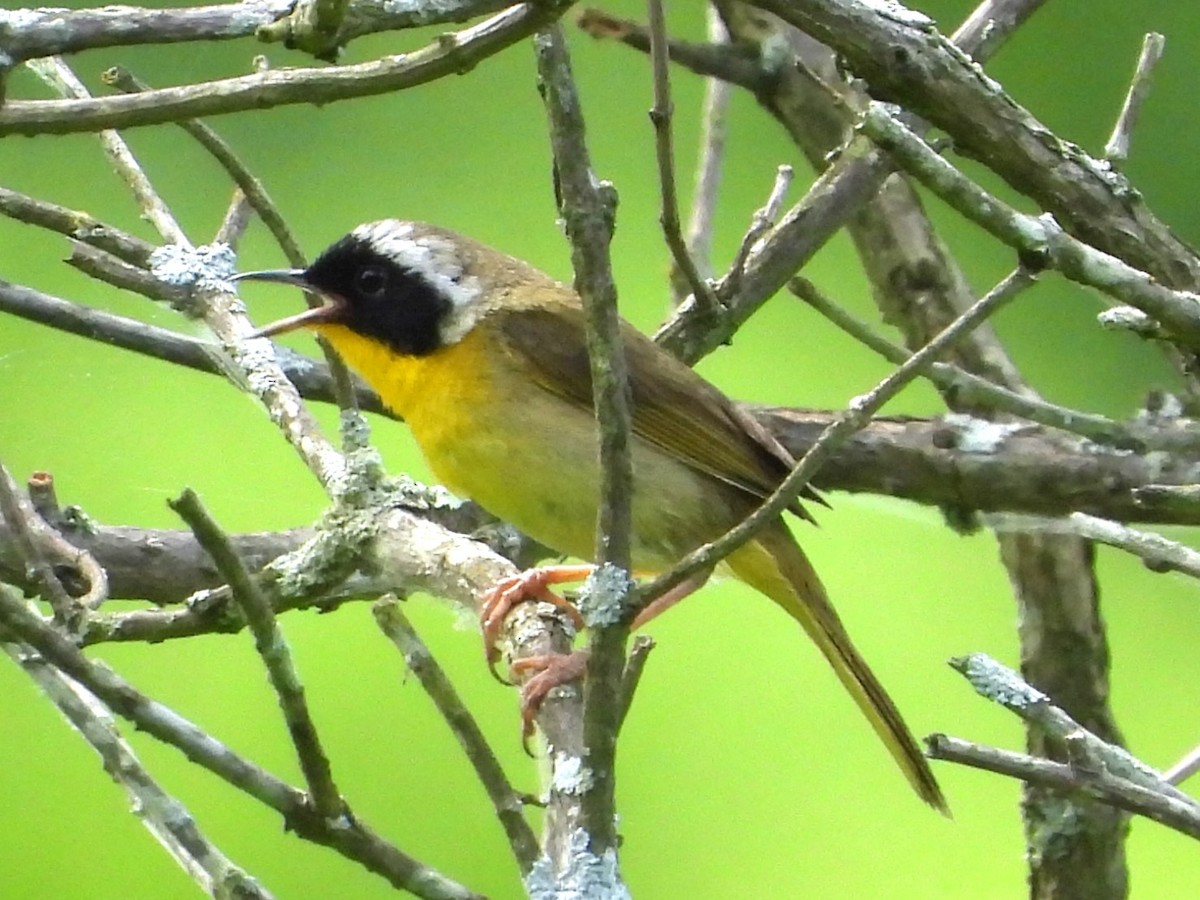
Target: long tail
[[774, 564]]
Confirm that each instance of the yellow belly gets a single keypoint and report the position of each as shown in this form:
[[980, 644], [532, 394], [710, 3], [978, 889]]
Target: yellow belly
[[526, 456]]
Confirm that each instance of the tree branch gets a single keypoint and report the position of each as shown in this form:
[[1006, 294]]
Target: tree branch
[[449, 55], [30, 33], [162, 815], [1070, 779], [905, 60], [588, 208]]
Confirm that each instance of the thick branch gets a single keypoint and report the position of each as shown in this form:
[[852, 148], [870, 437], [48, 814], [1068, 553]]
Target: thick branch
[[905, 60]]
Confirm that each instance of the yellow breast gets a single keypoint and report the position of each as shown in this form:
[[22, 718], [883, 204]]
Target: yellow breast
[[447, 398], [525, 455]]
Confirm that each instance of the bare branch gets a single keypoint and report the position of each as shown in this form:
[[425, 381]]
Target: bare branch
[[275, 653], [905, 60], [310, 377], [991, 23], [587, 207], [351, 838], [1185, 768], [708, 168], [37, 545], [506, 801], [966, 387], [59, 76], [162, 815], [1069, 778], [1038, 238], [854, 419], [30, 33], [1002, 685], [75, 224], [449, 55], [661, 114], [1161, 554], [1116, 151]]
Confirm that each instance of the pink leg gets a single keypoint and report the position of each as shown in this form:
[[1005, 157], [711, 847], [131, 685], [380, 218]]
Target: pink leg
[[532, 583], [660, 605], [551, 671]]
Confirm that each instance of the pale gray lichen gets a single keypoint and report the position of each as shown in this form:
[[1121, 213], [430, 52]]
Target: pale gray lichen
[[587, 876], [602, 599], [354, 429], [408, 493], [980, 435], [18, 19], [1055, 824], [999, 683], [570, 775], [207, 267], [329, 557], [1128, 318]]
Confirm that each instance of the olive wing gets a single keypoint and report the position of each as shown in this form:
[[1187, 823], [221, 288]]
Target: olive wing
[[673, 408]]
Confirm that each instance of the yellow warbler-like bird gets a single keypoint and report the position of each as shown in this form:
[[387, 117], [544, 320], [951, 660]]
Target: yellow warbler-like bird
[[484, 357]]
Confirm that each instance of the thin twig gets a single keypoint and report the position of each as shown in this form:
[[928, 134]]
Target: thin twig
[[1002, 685], [858, 414], [350, 837], [989, 125], [761, 222], [47, 31], [990, 24], [505, 800], [260, 200], [1040, 238], [450, 54], [635, 665], [172, 825], [969, 387], [75, 224], [661, 115], [699, 236], [22, 520], [103, 266], [310, 377], [1116, 151], [275, 653], [729, 64], [1102, 785], [1161, 554], [220, 150], [235, 222], [58, 75], [587, 208], [1185, 768]]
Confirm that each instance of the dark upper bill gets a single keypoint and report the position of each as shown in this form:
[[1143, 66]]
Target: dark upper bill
[[317, 315]]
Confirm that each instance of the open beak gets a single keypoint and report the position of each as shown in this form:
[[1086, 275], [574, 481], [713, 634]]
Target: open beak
[[328, 312]]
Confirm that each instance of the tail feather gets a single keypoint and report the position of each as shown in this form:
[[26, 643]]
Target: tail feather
[[774, 564]]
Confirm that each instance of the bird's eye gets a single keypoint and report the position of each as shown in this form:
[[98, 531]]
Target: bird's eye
[[371, 281]]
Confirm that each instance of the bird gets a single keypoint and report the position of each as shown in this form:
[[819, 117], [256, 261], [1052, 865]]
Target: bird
[[484, 357]]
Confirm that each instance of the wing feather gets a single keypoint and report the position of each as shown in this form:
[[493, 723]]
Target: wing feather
[[674, 408]]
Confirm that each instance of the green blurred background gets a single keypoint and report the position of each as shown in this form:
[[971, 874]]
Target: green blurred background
[[744, 771]]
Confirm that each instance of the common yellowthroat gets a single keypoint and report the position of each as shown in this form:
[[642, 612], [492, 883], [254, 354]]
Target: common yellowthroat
[[484, 357]]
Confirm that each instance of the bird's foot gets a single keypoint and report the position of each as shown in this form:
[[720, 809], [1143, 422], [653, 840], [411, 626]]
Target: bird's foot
[[551, 670], [532, 584]]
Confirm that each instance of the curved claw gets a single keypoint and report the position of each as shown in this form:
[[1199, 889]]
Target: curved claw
[[532, 583], [552, 670]]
